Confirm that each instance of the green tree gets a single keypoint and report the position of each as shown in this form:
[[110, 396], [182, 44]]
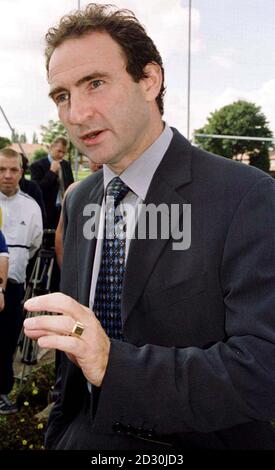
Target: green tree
[[34, 138], [54, 129], [51, 131], [240, 118], [14, 136], [23, 138], [38, 154], [4, 142]]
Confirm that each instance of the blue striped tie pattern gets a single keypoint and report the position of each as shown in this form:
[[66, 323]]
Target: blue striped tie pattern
[[107, 303]]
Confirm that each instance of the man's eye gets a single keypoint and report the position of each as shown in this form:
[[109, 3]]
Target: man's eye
[[63, 97], [96, 83]]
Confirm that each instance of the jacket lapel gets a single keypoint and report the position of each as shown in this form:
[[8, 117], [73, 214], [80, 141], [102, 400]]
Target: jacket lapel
[[86, 247], [173, 172]]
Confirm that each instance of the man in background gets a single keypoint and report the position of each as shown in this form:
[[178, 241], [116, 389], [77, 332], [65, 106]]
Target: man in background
[[6, 407], [59, 229], [22, 228], [4, 266], [54, 175]]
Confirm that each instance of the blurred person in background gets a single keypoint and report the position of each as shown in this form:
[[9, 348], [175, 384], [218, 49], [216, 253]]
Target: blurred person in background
[[59, 229], [6, 407], [53, 174], [22, 228], [4, 266]]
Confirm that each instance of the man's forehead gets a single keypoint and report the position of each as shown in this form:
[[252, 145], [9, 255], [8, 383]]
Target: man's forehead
[[11, 162], [58, 145], [56, 74], [75, 56], [58, 148]]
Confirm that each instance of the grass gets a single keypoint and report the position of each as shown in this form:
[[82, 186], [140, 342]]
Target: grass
[[24, 430], [82, 174]]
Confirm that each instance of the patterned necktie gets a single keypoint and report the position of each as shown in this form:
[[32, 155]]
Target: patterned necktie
[[107, 303]]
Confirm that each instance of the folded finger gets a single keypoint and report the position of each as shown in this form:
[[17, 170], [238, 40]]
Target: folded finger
[[62, 325], [58, 303]]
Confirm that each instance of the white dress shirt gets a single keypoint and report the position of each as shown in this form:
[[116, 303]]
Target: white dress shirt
[[137, 177]]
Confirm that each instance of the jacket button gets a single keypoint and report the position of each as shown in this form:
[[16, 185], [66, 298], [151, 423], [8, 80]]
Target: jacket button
[[150, 433], [139, 431], [129, 429], [117, 428]]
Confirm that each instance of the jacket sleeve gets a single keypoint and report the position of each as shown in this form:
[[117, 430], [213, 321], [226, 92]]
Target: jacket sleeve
[[55, 425], [3, 247], [173, 390], [67, 172], [38, 196], [44, 178]]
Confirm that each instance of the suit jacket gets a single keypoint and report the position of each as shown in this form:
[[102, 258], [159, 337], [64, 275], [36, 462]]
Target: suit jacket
[[49, 184], [196, 369], [33, 189]]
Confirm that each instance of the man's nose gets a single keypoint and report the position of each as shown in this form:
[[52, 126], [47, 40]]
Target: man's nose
[[81, 109]]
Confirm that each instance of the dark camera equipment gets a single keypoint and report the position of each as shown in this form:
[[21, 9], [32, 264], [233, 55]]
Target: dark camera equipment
[[48, 239], [38, 284]]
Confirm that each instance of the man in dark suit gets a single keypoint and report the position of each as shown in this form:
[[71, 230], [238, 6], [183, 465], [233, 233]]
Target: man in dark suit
[[54, 175], [169, 344]]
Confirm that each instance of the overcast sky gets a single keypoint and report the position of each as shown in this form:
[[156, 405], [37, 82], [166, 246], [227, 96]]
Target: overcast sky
[[232, 56]]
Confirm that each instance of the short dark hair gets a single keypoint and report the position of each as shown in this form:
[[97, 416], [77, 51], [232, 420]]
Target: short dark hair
[[60, 140], [10, 153], [122, 26]]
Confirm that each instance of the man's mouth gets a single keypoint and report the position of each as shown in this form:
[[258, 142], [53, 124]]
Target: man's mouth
[[91, 135]]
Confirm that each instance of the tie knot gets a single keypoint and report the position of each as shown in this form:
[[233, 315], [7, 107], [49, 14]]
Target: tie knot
[[117, 189]]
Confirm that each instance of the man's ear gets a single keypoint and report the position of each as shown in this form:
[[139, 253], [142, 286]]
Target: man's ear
[[153, 80]]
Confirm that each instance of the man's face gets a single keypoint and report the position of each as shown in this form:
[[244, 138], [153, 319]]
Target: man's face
[[10, 174], [105, 112], [58, 151]]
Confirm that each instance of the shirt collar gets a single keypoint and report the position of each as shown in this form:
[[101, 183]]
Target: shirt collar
[[3, 196], [139, 174]]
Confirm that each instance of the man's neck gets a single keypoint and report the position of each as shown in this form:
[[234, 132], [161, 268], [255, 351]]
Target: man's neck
[[156, 130], [10, 193]]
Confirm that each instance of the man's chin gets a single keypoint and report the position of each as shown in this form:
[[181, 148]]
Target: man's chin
[[94, 157]]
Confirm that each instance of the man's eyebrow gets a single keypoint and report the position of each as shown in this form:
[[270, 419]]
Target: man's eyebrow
[[56, 90], [92, 76], [3, 167], [81, 81]]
